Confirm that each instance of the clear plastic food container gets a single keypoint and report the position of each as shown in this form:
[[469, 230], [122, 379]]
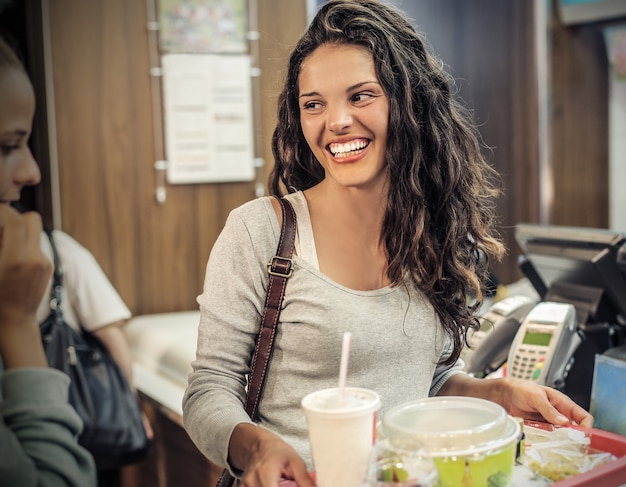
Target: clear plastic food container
[[471, 441]]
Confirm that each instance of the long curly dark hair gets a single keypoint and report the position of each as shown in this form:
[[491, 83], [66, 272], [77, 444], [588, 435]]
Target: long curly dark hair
[[440, 216]]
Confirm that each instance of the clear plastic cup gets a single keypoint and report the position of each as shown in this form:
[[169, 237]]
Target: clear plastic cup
[[341, 434]]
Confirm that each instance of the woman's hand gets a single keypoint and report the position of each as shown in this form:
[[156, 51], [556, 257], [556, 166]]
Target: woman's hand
[[531, 401], [24, 275], [522, 398], [265, 458], [24, 269]]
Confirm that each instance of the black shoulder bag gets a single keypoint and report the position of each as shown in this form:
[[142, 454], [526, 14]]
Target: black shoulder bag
[[113, 430], [280, 269]]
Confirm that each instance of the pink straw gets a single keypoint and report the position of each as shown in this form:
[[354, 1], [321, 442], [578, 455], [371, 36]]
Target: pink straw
[[343, 369]]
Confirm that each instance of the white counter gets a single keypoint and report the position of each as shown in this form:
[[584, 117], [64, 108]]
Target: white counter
[[162, 347]]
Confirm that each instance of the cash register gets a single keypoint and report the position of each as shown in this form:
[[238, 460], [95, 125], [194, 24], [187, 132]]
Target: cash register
[[585, 268]]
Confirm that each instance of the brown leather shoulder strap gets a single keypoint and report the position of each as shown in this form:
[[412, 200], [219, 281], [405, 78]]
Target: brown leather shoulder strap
[[280, 268]]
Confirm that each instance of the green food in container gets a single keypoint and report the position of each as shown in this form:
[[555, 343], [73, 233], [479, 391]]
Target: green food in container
[[472, 442]]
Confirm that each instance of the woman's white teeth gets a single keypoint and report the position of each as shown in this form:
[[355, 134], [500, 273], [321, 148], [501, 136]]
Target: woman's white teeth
[[343, 150]]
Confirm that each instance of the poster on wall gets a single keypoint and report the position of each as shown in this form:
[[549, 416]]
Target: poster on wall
[[203, 26], [208, 118]]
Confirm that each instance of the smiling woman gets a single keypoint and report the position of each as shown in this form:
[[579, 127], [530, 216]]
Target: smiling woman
[[394, 205], [343, 114]]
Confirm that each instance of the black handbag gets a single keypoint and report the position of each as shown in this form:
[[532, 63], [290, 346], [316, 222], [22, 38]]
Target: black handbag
[[113, 430]]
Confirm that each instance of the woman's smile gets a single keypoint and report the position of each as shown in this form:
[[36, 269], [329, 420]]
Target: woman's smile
[[348, 149]]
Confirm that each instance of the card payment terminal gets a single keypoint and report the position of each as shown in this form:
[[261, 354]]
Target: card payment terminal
[[544, 344]]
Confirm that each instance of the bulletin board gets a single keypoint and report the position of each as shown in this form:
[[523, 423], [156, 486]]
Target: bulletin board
[[203, 91], [208, 118], [203, 26]]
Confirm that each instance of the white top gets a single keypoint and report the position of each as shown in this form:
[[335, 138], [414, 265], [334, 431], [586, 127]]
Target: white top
[[305, 241], [88, 296]]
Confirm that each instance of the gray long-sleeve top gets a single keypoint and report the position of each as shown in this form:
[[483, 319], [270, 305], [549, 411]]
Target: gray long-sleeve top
[[38, 432], [397, 339]]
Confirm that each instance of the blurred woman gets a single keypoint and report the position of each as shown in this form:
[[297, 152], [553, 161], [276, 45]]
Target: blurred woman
[[89, 300], [38, 427]]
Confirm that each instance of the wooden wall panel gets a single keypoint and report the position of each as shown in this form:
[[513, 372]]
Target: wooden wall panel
[[280, 26], [580, 117], [489, 46], [154, 254], [100, 131]]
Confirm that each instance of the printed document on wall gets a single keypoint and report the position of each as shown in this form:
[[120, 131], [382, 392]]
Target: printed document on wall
[[203, 26], [207, 104]]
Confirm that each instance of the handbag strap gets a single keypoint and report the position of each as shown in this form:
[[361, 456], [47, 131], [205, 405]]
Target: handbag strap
[[57, 278], [280, 268]]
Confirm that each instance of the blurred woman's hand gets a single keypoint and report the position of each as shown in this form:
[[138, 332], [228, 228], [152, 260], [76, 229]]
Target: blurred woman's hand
[[24, 275]]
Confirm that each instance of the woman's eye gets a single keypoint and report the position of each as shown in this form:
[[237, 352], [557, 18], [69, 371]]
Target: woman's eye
[[7, 149], [311, 105], [362, 97]]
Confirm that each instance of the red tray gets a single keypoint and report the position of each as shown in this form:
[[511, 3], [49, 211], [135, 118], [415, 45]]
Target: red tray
[[611, 474]]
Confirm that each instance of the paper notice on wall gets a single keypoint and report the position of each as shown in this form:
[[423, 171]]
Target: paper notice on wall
[[203, 26], [207, 106]]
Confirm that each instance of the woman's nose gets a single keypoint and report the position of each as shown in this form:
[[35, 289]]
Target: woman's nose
[[27, 172], [339, 119]]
